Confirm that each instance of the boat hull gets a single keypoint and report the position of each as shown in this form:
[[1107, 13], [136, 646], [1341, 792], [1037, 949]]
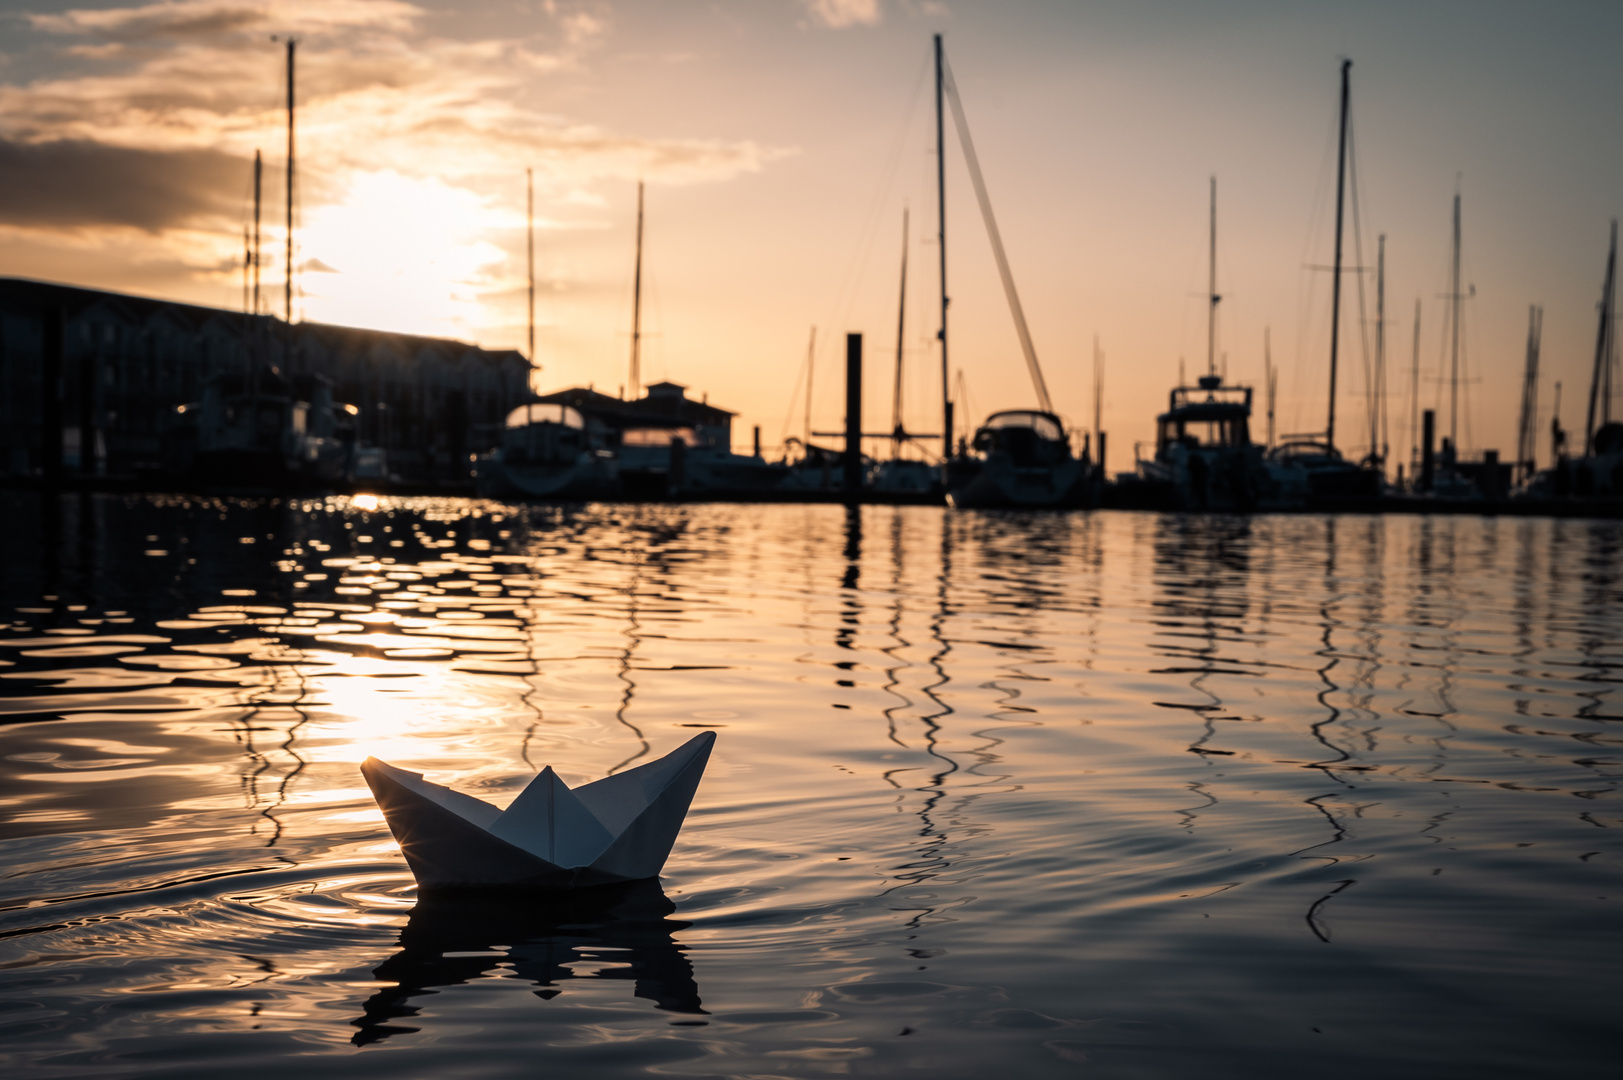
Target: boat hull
[[590, 476], [1000, 484]]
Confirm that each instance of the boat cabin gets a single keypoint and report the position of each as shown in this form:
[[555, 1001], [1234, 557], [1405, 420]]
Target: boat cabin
[[1028, 437], [544, 433], [1207, 416]]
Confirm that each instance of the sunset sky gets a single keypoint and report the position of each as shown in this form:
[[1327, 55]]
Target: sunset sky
[[780, 141]]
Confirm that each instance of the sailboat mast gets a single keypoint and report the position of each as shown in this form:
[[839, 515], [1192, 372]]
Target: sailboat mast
[[1211, 307], [1600, 384], [258, 179], [1335, 295], [529, 251], [636, 307], [941, 250], [1527, 429], [1454, 337], [287, 286], [1377, 405], [1414, 394], [901, 330]]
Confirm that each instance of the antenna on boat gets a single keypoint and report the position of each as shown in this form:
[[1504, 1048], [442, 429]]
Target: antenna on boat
[[636, 307], [901, 326], [529, 250], [941, 246], [1335, 295], [1600, 384], [1211, 308]]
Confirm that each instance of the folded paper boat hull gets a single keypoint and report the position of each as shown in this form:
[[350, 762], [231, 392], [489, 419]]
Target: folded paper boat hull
[[620, 828]]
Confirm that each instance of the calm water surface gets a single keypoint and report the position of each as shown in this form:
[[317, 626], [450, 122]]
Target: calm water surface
[[1117, 795]]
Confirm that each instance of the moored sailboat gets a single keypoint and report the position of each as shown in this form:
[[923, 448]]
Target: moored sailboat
[[1018, 457]]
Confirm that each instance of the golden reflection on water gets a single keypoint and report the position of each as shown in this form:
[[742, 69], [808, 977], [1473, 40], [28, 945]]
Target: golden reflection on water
[[1028, 789]]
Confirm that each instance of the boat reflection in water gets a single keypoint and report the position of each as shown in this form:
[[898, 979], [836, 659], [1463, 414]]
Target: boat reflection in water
[[549, 451], [609, 932], [1205, 459], [1018, 458]]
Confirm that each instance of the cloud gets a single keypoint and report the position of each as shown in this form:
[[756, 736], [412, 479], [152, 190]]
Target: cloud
[[75, 184], [839, 14], [388, 99], [178, 20]]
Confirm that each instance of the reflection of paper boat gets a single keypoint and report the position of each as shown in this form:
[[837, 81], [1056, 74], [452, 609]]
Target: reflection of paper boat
[[620, 828]]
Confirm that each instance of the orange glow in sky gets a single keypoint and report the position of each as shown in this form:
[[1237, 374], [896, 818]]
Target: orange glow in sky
[[780, 143]]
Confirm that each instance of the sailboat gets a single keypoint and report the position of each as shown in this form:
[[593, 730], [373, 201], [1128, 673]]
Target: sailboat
[[671, 445], [1598, 472], [1017, 457], [1330, 477], [266, 428], [1205, 458], [548, 450]]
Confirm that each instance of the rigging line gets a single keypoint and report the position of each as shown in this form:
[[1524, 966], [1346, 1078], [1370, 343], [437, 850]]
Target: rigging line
[[1358, 256], [985, 200]]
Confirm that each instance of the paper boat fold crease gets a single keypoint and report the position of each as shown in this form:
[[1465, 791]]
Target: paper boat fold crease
[[619, 828]]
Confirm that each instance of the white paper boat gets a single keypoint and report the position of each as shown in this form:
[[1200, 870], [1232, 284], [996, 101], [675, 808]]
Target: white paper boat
[[619, 828]]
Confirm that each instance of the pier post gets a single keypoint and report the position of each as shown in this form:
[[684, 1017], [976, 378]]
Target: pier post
[[1428, 458], [757, 440], [853, 417]]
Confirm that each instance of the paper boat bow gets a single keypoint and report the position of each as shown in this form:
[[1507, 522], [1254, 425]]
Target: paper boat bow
[[620, 828]]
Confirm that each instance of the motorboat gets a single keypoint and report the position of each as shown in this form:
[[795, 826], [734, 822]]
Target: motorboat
[[263, 430], [1018, 458]]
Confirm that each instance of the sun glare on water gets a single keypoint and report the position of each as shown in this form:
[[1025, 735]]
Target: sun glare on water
[[401, 254]]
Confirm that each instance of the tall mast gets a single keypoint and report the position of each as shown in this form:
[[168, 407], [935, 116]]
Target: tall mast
[[529, 250], [287, 286], [1600, 384], [1527, 429], [1335, 295], [259, 168], [1211, 308], [636, 307], [1377, 404], [1414, 393], [901, 328], [941, 248], [1454, 337]]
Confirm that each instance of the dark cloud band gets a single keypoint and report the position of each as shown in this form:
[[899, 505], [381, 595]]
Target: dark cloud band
[[66, 184]]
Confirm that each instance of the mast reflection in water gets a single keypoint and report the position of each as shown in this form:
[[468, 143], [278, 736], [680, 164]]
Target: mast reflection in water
[[1159, 795]]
